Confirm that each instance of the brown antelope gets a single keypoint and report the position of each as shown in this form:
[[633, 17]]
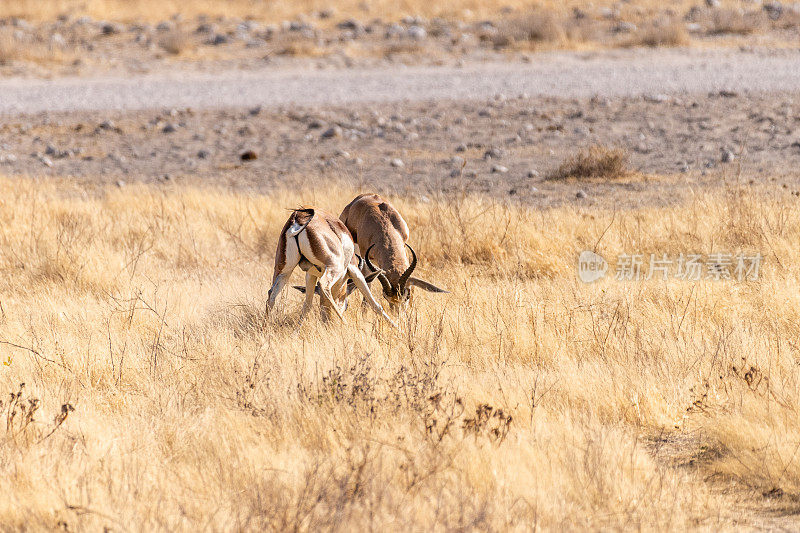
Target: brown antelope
[[324, 249], [378, 229]]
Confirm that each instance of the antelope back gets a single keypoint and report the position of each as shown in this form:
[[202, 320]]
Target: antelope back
[[372, 220]]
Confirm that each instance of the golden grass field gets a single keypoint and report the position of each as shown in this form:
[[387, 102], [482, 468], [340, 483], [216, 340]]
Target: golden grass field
[[277, 10], [618, 405]]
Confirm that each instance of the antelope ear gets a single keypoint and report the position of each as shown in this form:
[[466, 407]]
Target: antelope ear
[[424, 285], [369, 278]]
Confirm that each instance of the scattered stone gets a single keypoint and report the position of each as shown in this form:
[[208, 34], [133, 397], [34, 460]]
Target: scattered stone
[[395, 30], [107, 125], [248, 155], [417, 33], [255, 111], [656, 98], [397, 163], [774, 10], [580, 194], [533, 174], [350, 24], [457, 161], [7, 158], [165, 26], [120, 184], [625, 27], [608, 13], [333, 131], [110, 28], [461, 148], [218, 39], [58, 40], [499, 169], [169, 127], [46, 161], [727, 156], [203, 154], [712, 3], [494, 153], [206, 27]]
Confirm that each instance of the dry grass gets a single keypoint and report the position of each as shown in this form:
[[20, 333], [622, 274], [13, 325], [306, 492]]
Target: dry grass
[[176, 42], [652, 35], [732, 21], [523, 399], [596, 162], [13, 50], [277, 10], [536, 27]]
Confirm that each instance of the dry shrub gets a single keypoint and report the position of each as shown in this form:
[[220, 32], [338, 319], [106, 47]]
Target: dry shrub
[[402, 48], [9, 51], [596, 162], [175, 42], [19, 414], [12, 50], [300, 47], [731, 21], [672, 34], [530, 28]]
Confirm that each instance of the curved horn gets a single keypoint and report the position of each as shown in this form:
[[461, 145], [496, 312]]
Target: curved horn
[[387, 287], [407, 274]]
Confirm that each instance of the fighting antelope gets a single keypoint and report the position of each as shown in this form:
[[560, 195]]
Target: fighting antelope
[[378, 229], [324, 249]]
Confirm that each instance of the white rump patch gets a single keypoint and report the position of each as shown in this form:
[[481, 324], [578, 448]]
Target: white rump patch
[[294, 229]]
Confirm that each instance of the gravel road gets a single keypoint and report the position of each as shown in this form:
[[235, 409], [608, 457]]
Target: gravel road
[[616, 73]]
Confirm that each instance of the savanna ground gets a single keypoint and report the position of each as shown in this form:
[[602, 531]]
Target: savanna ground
[[158, 394], [81, 37], [136, 250]]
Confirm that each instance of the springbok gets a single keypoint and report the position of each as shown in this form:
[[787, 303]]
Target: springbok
[[378, 229], [324, 249]]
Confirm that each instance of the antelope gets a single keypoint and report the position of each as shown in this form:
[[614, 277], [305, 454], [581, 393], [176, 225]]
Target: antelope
[[322, 246], [378, 228]]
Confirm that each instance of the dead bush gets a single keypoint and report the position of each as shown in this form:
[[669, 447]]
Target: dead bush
[[731, 21], [9, 49], [530, 28], [596, 162], [672, 34], [175, 42]]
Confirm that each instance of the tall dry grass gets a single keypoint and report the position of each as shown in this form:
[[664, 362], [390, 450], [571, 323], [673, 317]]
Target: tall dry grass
[[524, 399]]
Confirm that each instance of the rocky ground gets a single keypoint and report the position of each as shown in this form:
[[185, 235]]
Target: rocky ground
[[508, 147], [79, 45]]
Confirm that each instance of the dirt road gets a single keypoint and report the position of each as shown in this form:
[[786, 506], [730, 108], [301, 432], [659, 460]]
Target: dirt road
[[616, 73]]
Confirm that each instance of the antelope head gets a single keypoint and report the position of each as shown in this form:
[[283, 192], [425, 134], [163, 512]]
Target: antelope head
[[399, 293]]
